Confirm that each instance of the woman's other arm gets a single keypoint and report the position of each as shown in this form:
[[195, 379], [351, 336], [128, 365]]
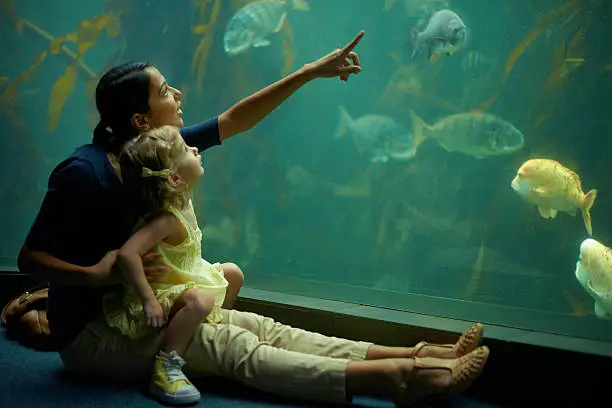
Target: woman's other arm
[[51, 269], [71, 184]]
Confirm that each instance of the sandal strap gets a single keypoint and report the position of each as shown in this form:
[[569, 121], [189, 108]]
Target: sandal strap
[[424, 344]]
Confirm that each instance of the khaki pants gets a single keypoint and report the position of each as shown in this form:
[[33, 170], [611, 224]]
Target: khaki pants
[[246, 347]]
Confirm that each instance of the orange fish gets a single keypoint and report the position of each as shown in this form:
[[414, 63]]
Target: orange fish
[[552, 188]]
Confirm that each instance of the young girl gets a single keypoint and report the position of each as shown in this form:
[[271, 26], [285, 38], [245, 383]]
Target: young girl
[[194, 290]]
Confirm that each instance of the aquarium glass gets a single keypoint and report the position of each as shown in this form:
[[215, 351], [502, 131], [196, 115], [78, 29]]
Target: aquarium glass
[[392, 189]]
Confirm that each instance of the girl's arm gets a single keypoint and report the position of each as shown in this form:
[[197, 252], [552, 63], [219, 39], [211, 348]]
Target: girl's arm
[[129, 258]]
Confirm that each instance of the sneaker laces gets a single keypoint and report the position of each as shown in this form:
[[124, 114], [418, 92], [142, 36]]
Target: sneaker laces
[[173, 364]]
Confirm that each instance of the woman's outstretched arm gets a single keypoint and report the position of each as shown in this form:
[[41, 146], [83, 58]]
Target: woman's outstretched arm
[[251, 110]]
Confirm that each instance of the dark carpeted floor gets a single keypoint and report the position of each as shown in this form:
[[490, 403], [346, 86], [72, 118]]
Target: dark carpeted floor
[[30, 378]]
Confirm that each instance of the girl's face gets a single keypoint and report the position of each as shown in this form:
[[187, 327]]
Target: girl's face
[[164, 102], [189, 164]]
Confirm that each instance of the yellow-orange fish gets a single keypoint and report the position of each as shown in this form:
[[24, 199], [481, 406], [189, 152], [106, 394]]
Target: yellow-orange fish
[[552, 188]]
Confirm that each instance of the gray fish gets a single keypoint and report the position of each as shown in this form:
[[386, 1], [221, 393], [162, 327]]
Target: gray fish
[[379, 136], [444, 34], [253, 23], [475, 134]]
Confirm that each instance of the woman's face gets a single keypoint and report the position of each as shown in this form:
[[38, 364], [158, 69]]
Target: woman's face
[[164, 102]]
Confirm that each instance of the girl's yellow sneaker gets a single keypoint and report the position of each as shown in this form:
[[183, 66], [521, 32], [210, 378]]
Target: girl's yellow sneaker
[[168, 383]]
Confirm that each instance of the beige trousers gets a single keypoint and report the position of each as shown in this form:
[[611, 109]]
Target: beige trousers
[[246, 347]]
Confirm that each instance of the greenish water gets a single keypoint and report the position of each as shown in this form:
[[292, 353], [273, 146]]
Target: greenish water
[[303, 212]]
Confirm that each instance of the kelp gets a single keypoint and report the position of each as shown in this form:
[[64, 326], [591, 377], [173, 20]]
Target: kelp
[[61, 90], [63, 49], [11, 94], [9, 12], [205, 27], [564, 11], [288, 48], [85, 36], [563, 63]]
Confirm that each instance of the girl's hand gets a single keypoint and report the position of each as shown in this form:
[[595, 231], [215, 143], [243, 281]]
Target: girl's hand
[[338, 63], [153, 270], [154, 313]]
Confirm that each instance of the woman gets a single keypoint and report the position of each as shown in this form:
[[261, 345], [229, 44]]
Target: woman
[[81, 222]]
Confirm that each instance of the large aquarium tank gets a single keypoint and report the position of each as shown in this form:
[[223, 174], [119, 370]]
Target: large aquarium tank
[[452, 177]]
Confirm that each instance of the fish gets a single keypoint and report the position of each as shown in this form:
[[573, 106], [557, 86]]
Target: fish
[[251, 25], [377, 135], [444, 34], [594, 272], [476, 134], [552, 188]]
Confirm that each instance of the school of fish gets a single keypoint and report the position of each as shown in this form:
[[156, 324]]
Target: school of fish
[[544, 183]]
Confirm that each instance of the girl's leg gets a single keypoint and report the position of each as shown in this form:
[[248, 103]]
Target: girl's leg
[[235, 278], [188, 311], [168, 383]]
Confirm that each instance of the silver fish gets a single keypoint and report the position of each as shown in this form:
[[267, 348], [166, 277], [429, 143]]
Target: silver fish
[[475, 134], [445, 33], [379, 136], [253, 23]]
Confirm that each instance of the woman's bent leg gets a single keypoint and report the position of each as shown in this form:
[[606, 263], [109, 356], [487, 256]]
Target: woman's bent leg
[[103, 352], [236, 353]]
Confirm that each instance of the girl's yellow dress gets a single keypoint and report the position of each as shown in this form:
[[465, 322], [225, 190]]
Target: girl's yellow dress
[[123, 308]]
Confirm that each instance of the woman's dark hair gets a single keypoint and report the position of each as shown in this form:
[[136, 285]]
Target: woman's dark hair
[[121, 92]]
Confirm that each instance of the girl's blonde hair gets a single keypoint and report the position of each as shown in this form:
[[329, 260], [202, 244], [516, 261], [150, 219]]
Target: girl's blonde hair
[[156, 150]]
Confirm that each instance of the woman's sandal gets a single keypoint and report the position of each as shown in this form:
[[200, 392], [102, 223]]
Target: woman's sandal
[[464, 371], [468, 341]]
